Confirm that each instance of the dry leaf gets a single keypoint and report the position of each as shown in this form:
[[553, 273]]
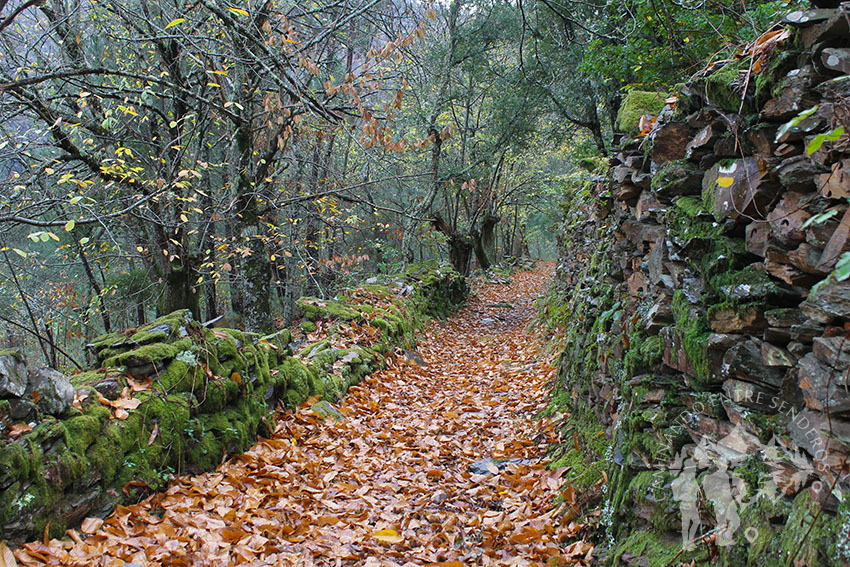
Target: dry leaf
[[388, 536], [19, 429], [7, 558], [91, 525]]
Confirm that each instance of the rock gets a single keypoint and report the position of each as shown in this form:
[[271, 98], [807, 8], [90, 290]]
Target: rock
[[835, 246], [830, 301], [784, 317], [773, 355], [744, 361], [327, 410], [806, 332], [832, 351], [659, 316], [836, 59], [814, 432], [807, 259], [801, 129], [647, 206], [754, 396], [836, 184], [22, 410], [737, 319], [55, 391], [798, 173], [13, 374], [679, 177], [757, 234], [627, 192], [483, 467], [621, 173], [787, 219], [737, 190], [109, 388], [669, 142], [804, 18], [635, 105], [702, 143], [824, 388]]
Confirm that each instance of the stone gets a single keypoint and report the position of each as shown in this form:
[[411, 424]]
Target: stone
[[669, 142], [833, 351], [660, 315], [737, 190], [22, 410], [798, 173], [805, 18], [13, 374], [806, 332], [830, 301], [647, 206], [807, 258], [784, 317], [621, 173], [825, 438], [737, 319], [55, 392], [773, 355], [787, 219], [635, 105], [744, 361], [836, 183], [754, 396], [326, 410], [824, 388], [483, 466], [757, 234], [836, 59], [627, 192], [702, 142], [679, 177], [835, 246]]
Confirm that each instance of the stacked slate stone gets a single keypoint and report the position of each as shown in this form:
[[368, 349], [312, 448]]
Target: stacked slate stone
[[726, 336]]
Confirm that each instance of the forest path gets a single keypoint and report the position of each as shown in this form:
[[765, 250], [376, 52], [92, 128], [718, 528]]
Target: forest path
[[403, 479]]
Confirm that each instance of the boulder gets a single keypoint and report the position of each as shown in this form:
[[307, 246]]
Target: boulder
[[13, 374], [55, 392]]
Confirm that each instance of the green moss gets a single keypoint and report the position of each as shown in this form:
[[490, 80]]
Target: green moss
[[83, 431], [694, 331], [148, 354], [655, 551], [636, 104], [724, 87], [307, 326], [315, 309], [747, 284]]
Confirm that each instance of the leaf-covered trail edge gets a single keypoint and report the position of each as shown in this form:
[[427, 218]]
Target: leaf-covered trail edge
[[390, 484]]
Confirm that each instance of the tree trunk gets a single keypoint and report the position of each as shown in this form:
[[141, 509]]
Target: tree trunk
[[486, 241]]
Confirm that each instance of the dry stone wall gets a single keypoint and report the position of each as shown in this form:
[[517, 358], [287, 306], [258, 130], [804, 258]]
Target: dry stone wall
[[703, 300], [176, 397]]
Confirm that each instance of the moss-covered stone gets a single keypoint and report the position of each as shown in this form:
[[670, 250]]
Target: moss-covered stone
[[636, 104]]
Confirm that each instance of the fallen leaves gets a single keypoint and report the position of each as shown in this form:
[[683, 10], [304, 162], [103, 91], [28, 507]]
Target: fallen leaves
[[19, 429], [390, 484]]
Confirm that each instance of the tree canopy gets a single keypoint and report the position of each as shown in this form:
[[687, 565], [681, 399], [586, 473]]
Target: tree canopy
[[230, 157]]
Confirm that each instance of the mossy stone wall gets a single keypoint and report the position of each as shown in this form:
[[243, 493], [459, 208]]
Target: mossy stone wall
[[668, 304], [210, 394]]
